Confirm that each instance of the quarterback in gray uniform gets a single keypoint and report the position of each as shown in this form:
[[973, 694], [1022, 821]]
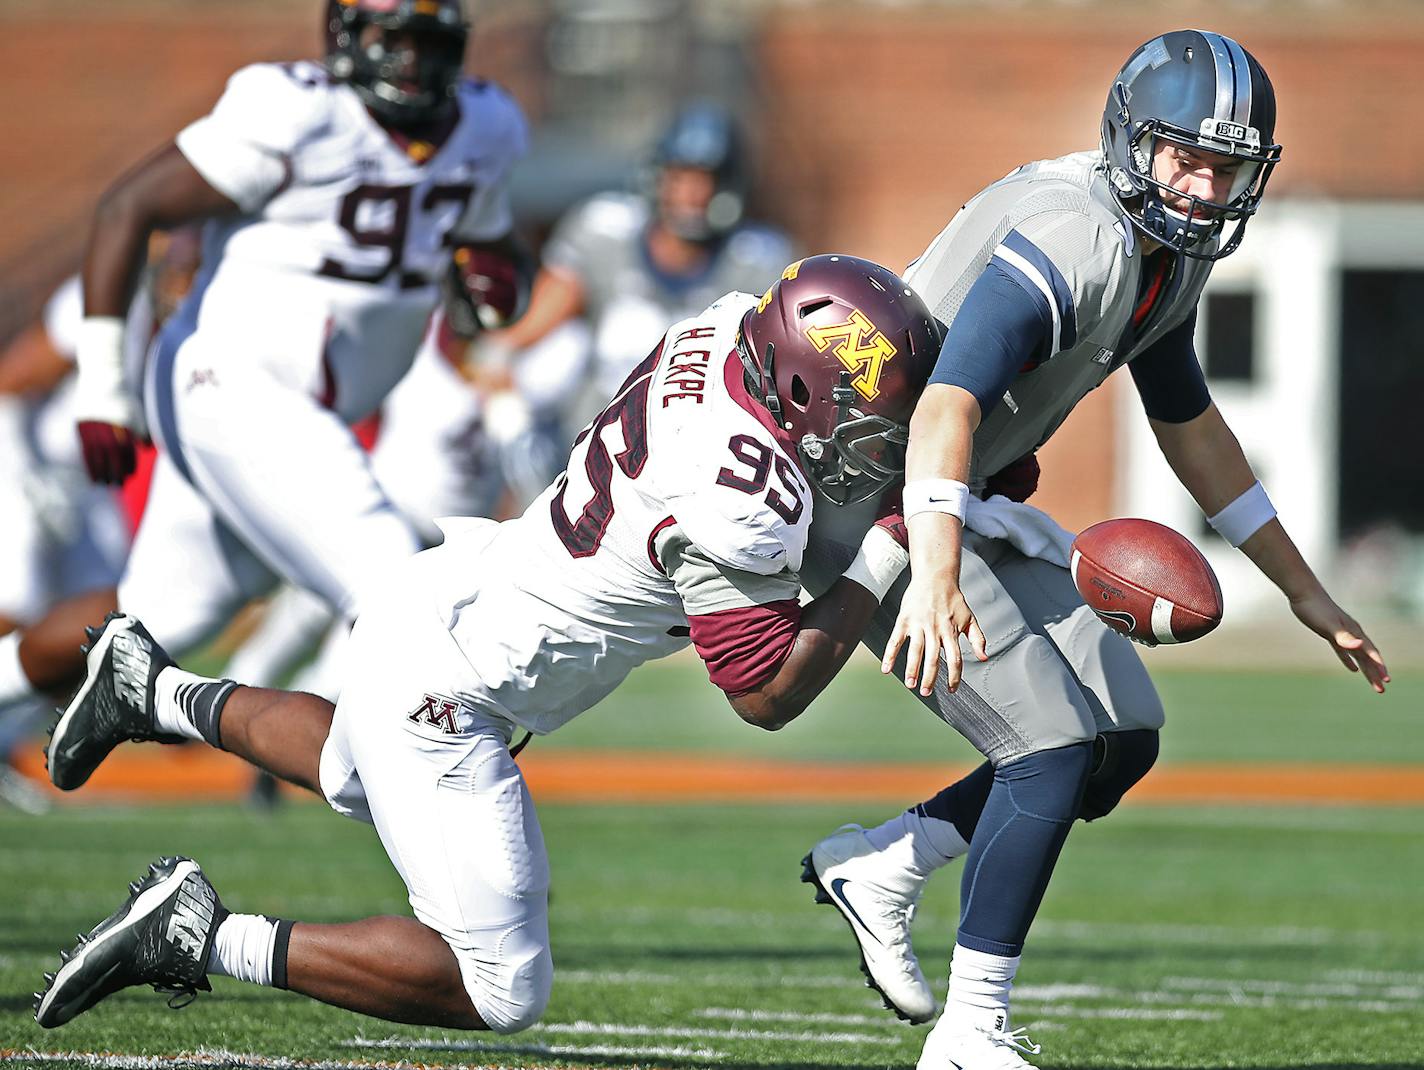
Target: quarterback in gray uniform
[[1049, 280]]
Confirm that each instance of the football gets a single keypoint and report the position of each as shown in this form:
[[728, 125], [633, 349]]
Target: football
[[1146, 581]]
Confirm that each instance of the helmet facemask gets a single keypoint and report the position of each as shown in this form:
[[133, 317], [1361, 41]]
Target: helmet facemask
[[403, 65], [863, 455], [1196, 230]]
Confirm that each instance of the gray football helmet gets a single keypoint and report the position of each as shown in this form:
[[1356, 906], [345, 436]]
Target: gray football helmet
[[1204, 91]]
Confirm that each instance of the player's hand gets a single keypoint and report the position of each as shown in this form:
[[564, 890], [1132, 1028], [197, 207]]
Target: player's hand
[[109, 451], [1318, 612], [933, 615], [109, 419], [482, 291]]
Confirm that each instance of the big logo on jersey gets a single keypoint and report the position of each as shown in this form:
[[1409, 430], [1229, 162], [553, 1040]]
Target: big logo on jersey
[[862, 348]]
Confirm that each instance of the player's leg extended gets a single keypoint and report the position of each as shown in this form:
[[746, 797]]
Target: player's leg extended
[[1037, 736], [134, 691], [455, 817]]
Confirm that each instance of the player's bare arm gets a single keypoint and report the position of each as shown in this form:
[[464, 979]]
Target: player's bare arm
[[163, 191], [934, 613], [831, 626], [557, 296], [1207, 458]]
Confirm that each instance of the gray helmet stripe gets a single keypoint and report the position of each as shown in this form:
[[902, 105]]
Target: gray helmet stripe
[[1225, 80], [1242, 68]]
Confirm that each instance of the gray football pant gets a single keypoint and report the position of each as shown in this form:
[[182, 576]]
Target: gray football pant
[[1056, 675]]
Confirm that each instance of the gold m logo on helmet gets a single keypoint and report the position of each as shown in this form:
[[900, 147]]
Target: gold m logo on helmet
[[862, 348]]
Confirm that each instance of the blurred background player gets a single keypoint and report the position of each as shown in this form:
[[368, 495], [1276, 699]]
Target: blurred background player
[[1049, 280], [62, 535], [620, 267], [338, 198]]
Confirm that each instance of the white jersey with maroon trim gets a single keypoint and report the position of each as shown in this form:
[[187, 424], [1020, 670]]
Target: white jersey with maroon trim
[[328, 275], [682, 507]]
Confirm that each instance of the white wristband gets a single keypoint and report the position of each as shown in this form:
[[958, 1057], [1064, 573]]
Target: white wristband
[[99, 347], [1245, 516], [936, 496], [100, 392], [879, 563]]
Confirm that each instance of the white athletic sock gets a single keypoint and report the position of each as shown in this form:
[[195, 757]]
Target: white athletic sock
[[927, 842], [243, 948], [15, 686], [979, 986], [168, 712]]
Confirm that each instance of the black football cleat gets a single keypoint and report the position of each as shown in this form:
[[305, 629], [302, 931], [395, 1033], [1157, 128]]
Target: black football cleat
[[161, 937], [114, 704]]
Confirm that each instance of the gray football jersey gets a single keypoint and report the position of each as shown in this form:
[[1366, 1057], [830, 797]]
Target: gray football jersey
[[628, 302], [1056, 228]]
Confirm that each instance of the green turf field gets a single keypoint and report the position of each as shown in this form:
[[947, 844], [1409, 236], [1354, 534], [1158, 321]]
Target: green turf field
[[1184, 937]]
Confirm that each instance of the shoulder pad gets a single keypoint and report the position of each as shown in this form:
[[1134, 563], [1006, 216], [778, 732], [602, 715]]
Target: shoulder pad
[[1067, 254], [276, 105], [737, 494]]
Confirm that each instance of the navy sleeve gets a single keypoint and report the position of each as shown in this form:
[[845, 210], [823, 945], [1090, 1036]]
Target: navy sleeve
[[1168, 377], [998, 330]]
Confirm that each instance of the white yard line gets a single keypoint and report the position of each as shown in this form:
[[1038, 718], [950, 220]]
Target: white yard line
[[562, 1051], [740, 1014], [1139, 1014], [643, 977], [1294, 988]]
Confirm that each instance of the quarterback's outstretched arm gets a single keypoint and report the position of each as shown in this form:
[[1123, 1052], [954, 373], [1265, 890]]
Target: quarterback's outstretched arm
[[163, 191], [1207, 458], [934, 613]]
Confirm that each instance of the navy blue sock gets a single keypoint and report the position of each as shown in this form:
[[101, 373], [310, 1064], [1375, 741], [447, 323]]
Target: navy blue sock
[[962, 802], [1026, 818]]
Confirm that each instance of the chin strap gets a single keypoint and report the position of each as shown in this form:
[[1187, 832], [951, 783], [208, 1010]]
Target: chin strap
[[768, 386]]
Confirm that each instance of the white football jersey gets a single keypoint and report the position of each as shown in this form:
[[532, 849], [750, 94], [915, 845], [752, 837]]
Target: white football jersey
[[329, 274], [558, 606]]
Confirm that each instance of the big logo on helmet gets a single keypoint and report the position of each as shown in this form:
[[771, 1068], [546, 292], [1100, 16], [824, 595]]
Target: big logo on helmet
[[862, 348]]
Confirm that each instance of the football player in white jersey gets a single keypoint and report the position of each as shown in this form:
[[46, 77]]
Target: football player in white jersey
[[683, 517], [335, 197]]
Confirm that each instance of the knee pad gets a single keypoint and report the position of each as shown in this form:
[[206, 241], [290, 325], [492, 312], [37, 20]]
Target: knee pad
[[510, 996], [1048, 784], [1120, 760]]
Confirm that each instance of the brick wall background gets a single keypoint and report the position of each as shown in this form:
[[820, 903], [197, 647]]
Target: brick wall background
[[876, 120]]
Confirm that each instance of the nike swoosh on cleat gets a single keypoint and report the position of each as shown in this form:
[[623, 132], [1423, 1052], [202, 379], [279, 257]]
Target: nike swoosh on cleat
[[836, 886]]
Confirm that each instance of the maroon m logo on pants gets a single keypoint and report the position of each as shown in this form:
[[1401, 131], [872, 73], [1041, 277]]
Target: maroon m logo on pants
[[436, 710]]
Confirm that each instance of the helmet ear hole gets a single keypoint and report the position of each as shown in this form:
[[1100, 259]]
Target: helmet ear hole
[[800, 393]]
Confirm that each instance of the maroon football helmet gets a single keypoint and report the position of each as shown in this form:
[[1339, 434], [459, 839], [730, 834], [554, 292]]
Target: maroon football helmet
[[839, 350]]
